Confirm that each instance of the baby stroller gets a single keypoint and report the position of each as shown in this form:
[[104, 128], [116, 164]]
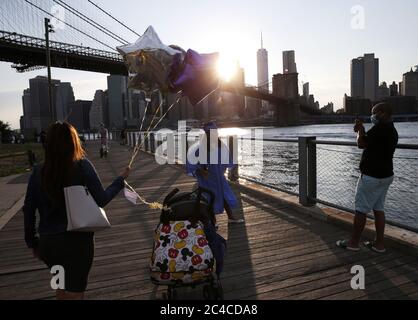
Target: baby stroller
[[104, 151], [187, 250]]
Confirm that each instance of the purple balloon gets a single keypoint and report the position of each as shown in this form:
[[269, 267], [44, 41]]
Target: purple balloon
[[197, 77]]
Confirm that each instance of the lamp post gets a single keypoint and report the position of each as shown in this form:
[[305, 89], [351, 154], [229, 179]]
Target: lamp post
[[48, 30]]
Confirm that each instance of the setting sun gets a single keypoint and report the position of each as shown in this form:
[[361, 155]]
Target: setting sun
[[227, 66]]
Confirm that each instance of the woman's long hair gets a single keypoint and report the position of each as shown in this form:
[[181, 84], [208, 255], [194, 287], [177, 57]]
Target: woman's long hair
[[63, 150]]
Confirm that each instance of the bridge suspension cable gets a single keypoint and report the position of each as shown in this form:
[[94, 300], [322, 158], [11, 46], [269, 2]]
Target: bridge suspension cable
[[118, 21], [91, 22], [69, 25]]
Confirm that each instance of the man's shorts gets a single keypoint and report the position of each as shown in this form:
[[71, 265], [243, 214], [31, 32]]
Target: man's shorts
[[371, 194]]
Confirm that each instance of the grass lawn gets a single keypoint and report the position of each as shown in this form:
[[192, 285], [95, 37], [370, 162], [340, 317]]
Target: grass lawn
[[18, 164]]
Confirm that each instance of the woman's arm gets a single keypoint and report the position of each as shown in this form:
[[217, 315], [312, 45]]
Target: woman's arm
[[93, 183], [29, 211]]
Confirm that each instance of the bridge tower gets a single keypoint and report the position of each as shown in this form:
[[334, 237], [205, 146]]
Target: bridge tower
[[286, 86]]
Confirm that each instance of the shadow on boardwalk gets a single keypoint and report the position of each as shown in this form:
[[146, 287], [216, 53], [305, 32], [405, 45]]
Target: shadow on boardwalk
[[276, 254]]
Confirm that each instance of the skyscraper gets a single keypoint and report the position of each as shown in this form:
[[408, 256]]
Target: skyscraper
[[371, 76], [365, 77], [27, 119], [410, 83], [65, 96], [357, 78], [306, 90], [263, 68], [117, 97], [36, 113], [39, 115], [98, 110], [383, 91], [289, 62], [394, 89], [79, 115], [238, 101]]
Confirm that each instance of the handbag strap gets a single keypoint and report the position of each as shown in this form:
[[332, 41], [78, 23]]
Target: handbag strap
[[82, 175]]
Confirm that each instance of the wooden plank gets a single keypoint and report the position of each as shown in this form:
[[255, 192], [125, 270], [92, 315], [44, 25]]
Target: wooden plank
[[276, 254]]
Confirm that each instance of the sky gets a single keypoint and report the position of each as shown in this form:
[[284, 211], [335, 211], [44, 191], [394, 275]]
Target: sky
[[326, 35]]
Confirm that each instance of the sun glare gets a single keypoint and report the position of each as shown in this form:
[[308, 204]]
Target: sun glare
[[227, 67]]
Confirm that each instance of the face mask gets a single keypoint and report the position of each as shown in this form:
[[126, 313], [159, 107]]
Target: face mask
[[374, 119]]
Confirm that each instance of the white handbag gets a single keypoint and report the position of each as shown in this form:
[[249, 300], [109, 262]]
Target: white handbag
[[83, 213]]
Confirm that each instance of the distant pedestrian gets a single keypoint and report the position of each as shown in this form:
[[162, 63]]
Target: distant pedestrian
[[104, 147], [42, 138], [65, 165], [123, 137], [379, 145]]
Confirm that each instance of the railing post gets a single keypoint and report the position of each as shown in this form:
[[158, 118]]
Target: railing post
[[146, 146], [312, 171], [128, 137], [134, 139], [152, 142], [139, 138], [307, 171], [233, 174]]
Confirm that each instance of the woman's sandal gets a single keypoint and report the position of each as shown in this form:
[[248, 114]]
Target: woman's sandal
[[344, 245], [371, 246]]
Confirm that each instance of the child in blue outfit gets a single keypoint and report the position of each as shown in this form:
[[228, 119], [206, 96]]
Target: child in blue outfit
[[210, 174]]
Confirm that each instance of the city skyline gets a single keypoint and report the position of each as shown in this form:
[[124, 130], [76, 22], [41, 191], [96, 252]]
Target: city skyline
[[263, 77], [324, 53]]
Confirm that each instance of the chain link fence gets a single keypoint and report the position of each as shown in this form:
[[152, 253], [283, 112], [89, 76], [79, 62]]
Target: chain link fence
[[338, 173], [276, 164]]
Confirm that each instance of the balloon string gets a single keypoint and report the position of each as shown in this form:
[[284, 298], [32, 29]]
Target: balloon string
[[145, 114], [138, 147], [151, 205]]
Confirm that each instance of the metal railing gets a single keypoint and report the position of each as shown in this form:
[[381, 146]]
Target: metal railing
[[320, 172], [328, 172], [92, 136], [20, 39]]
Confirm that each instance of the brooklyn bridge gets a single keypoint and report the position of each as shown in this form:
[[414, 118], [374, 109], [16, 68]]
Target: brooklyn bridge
[[85, 38]]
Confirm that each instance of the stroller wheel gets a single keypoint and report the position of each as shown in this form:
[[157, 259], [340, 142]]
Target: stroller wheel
[[218, 290], [213, 291], [208, 292], [171, 294]]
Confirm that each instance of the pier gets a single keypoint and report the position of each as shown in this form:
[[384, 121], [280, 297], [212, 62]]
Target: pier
[[283, 251]]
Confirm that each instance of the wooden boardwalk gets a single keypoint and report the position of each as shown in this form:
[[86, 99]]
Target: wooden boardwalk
[[276, 254]]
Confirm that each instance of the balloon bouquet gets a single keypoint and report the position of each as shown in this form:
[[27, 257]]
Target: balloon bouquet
[[154, 66]]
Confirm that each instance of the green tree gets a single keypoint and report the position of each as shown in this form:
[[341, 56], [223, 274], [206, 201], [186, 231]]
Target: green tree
[[4, 128]]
